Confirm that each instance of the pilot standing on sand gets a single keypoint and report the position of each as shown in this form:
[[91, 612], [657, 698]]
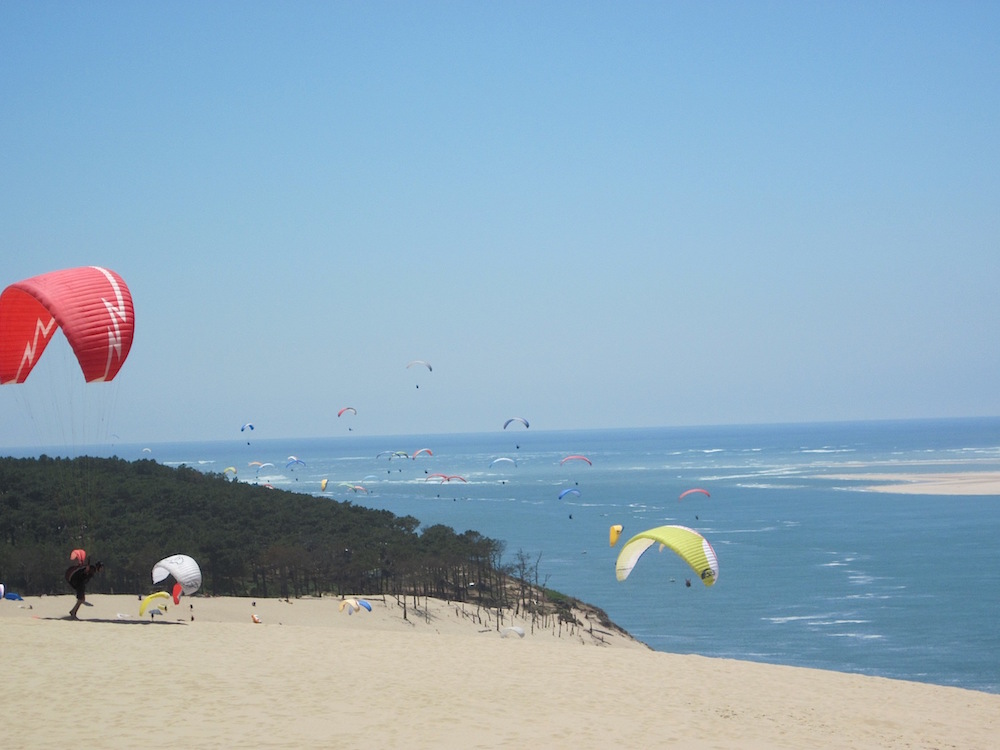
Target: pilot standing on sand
[[78, 576]]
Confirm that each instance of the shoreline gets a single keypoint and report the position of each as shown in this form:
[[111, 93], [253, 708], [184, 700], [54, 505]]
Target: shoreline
[[310, 675]]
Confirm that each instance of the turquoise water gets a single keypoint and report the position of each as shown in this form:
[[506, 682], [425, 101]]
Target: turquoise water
[[814, 571]]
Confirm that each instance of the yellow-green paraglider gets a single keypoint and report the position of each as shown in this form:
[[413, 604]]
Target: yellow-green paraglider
[[613, 533], [689, 545], [156, 600]]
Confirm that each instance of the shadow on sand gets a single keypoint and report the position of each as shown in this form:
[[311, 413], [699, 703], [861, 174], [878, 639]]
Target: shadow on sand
[[122, 621]]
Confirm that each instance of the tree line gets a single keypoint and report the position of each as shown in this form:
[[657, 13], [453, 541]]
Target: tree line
[[248, 540]]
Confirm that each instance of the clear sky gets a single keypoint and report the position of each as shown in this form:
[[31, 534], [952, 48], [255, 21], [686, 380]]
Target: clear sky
[[587, 214]]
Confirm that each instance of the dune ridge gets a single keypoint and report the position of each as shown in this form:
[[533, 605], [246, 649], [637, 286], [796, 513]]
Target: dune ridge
[[308, 674]]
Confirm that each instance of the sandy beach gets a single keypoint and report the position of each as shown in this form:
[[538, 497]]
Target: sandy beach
[[935, 483], [310, 675]]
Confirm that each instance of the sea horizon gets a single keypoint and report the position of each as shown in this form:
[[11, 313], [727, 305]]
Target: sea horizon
[[105, 446]]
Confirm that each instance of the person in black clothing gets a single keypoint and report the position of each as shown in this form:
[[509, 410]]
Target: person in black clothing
[[78, 576]]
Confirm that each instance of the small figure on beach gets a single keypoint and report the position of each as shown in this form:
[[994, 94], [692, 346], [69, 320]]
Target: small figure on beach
[[78, 576]]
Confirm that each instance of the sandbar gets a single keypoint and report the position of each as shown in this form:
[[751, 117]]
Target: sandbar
[[932, 483]]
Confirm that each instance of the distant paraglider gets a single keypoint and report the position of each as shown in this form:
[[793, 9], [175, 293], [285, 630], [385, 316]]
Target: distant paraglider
[[689, 545], [569, 491], [393, 454], [614, 532], [347, 410], [353, 487], [419, 363], [576, 458], [522, 420], [693, 490]]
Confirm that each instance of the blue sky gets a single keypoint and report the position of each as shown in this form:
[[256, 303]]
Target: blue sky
[[588, 214]]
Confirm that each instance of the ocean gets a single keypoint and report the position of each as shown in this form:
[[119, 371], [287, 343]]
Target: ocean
[[813, 570]]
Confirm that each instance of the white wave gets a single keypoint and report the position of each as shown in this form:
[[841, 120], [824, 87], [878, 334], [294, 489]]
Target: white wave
[[868, 597], [769, 486], [730, 477], [826, 623], [795, 618], [269, 479]]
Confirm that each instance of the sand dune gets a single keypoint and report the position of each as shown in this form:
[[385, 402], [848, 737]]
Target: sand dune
[[309, 675]]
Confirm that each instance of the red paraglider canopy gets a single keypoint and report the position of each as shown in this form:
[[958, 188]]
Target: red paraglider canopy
[[78, 556], [694, 489], [91, 305]]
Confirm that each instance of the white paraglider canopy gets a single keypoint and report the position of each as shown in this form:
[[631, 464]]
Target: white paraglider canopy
[[182, 568]]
